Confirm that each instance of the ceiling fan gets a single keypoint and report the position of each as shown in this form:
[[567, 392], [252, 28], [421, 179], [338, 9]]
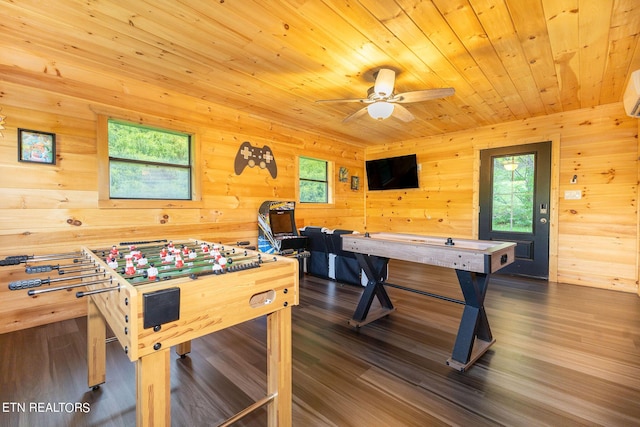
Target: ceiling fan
[[383, 102]]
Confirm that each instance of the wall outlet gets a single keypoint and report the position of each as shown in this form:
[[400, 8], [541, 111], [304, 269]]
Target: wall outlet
[[573, 195]]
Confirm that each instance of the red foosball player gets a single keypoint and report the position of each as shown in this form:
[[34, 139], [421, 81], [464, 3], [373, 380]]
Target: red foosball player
[[185, 250], [129, 268], [152, 272], [179, 262], [163, 252], [114, 250], [205, 249]]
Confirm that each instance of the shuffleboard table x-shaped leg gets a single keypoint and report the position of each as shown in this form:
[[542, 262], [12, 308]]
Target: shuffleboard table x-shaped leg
[[474, 334]]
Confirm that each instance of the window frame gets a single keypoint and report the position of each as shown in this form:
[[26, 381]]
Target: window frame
[[329, 183], [102, 136]]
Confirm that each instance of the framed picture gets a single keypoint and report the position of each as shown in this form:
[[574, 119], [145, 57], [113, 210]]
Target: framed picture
[[36, 147], [342, 176], [355, 183]]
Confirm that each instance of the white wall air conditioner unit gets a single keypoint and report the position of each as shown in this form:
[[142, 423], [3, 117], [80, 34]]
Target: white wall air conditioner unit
[[631, 98]]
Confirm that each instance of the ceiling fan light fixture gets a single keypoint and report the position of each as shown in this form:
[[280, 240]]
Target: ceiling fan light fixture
[[380, 110], [385, 80]]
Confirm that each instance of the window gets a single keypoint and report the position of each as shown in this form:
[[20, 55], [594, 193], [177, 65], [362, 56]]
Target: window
[[513, 193], [142, 163], [314, 180]]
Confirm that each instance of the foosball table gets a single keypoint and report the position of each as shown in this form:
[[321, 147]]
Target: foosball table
[[160, 294]]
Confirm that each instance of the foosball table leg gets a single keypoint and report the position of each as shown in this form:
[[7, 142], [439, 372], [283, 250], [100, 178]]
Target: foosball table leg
[[279, 368], [183, 349], [96, 346], [153, 390]]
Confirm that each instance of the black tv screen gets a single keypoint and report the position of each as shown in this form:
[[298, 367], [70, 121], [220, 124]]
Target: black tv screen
[[392, 173]]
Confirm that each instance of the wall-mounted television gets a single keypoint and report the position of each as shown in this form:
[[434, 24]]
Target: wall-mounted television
[[393, 173]]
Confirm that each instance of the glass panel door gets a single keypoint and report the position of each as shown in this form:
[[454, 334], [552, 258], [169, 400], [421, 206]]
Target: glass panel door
[[513, 190]]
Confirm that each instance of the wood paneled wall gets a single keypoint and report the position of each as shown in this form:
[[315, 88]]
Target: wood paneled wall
[[53, 208], [594, 241], [45, 209]]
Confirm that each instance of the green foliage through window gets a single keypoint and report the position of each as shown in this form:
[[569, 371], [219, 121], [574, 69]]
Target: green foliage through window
[[513, 191], [146, 163], [314, 182]]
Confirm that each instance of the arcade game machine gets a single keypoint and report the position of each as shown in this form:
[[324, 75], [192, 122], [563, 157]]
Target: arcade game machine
[[277, 232]]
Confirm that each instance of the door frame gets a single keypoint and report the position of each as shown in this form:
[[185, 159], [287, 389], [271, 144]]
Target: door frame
[[553, 193]]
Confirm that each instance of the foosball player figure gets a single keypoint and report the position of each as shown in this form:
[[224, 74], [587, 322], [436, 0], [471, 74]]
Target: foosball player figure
[[205, 249], [152, 272], [163, 252], [129, 268], [114, 251], [193, 254], [142, 261], [221, 261], [168, 259], [185, 250], [136, 254], [179, 263], [112, 261]]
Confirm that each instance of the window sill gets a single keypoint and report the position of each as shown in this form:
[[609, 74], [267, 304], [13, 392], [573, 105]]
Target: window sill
[[149, 204]]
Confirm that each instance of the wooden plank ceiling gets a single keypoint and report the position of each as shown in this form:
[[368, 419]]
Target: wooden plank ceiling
[[506, 59]]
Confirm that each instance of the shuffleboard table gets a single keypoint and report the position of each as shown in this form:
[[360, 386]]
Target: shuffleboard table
[[473, 260]]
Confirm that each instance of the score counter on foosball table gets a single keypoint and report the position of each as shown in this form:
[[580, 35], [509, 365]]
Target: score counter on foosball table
[[214, 287]]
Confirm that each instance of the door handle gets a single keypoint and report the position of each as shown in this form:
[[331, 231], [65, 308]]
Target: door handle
[[543, 220]]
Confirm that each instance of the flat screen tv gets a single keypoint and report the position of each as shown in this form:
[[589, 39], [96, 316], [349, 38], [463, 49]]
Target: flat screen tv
[[393, 173]]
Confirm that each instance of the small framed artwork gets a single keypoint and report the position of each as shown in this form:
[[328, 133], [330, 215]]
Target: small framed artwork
[[36, 147], [342, 176], [355, 183]]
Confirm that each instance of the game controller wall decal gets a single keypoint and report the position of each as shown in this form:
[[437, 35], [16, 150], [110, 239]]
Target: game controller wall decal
[[251, 156]]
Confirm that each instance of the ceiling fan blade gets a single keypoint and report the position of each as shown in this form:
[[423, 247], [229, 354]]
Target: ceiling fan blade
[[385, 79], [345, 100], [423, 95], [361, 112], [402, 113]]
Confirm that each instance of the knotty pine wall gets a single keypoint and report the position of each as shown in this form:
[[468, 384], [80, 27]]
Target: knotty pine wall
[[594, 241], [49, 209]]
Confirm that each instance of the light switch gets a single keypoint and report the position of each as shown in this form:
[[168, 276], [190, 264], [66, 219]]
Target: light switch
[[573, 195]]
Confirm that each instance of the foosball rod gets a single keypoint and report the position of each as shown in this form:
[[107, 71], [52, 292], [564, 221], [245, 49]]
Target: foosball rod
[[121, 254], [62, 269], [81, 294], [230, 268], [163, 273], [34, 292], [125, 245], [166, 268], [199, 259], [34, 283], [147, 244], [19, 259]]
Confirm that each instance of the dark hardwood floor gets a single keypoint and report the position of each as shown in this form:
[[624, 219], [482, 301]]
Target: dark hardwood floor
[[565, 355]]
